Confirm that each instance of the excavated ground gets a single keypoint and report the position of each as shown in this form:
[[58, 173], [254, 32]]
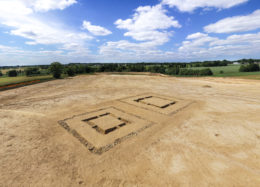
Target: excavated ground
[[131, 130]]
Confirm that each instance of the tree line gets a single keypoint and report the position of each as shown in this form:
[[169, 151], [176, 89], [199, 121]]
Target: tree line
[[181, 69], [170, 69], [211, 63], [249, 68]]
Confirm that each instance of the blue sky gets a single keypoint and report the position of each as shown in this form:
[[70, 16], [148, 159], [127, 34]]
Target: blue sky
[[43, 31]]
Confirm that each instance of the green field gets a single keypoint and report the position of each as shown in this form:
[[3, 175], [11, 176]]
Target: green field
[[231, 71], [14, 80], [4, 71]]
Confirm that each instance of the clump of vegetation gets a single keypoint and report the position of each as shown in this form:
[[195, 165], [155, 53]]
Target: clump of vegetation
[[156, 69], [210, 63], [12, 73], [56, 69], [71, 71], [249, 68], [31, 71], [89, 69], [1, 74], [205, 72], [248, 61], [221, 71], [193, 72], [173, 70]]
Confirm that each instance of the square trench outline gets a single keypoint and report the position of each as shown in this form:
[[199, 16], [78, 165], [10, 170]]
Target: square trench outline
[[178, 105], [108, 125], [99, 150], [156, 101]]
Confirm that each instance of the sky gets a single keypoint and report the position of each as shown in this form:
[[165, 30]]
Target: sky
[[43, 31]]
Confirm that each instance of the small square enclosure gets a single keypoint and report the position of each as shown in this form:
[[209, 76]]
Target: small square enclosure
[[167, 105], [106, 123], [100, 129], [158, 102]]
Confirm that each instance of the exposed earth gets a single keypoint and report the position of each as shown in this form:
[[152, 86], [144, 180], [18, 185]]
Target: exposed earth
[[131, 130]]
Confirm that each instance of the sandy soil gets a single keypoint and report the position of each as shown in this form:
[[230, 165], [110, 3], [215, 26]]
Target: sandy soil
[[213, 142]]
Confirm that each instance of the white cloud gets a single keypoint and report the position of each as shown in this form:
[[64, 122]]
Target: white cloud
[[149, 23], [149, 26], [190, 5], [23, 22], [16, 56], [125, 51], [195, 42], [235, 39], [25, 7], [96, 30], [9, 50], [46, 5], [38, 32], [8, 11], [236, 24], [207, 47], [124, 45], [196, 35], [197, 46]]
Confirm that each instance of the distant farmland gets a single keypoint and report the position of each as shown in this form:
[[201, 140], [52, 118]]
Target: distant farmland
[[15, 80], [231, 71]]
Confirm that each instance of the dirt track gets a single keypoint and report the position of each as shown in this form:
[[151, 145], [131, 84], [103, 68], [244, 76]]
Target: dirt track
[[213, 142]]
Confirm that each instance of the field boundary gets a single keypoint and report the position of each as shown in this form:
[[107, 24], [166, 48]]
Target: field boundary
[[23, 84]]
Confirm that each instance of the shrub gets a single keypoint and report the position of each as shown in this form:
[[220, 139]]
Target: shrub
[[1, 74], [156, 69], [32, 71], [253, 67], [210, 63], [249, 68], [12, 73], [70, 71], [80, 69], [56, 69], [173, 70], [243, 68], [121, 68], [221, 71], [89, 69], [189, 72], [192, 72], [205, 72]]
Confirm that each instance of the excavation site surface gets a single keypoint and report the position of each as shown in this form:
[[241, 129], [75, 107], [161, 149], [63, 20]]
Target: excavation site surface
[[131, 130]]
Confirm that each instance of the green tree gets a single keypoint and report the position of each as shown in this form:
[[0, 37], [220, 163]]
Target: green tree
[[249, 68], [1, 74], [56, 69], [205, 72], [89, 69], [71, 71], [32, 71], [173, 70], [12, 73], [192, 72]]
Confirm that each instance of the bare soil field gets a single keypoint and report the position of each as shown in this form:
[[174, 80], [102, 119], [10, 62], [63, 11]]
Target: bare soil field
[[131, 130]]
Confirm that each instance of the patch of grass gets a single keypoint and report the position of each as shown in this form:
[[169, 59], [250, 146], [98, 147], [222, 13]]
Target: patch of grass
[[4, 81], [226, 69]]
